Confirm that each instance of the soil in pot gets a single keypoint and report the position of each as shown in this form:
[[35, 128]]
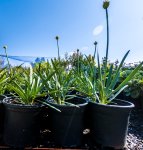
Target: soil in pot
[[109, 123], [67, 126], [21, 124]]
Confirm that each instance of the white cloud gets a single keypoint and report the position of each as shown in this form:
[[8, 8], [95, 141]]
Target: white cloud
[[97, 30]]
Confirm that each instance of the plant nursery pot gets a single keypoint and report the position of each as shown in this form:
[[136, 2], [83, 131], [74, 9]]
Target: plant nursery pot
[[1, 115], [141, 101], [21, 124], [67, 126], [109, 123]]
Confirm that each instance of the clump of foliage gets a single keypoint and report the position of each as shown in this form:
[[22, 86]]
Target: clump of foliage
[[26, 87]]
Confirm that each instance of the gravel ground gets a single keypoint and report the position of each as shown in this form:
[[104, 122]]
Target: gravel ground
[[135, 131]]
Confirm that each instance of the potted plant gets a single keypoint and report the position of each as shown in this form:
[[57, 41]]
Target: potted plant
[[108, 116], [67, 125], [3, 84], [21, 125]]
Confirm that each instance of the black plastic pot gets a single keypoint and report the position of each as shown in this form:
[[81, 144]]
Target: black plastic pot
[[21, 124], [109, 123], [67, 126], [141, 101], [1, 115]]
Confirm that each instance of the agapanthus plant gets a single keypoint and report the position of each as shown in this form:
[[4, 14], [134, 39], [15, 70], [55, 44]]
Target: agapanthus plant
[[100, 82]]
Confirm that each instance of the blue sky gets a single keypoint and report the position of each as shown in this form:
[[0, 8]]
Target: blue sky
[[29, 27]]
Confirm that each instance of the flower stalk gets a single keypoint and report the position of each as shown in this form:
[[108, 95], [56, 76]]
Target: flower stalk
[[57, 39], [95, 43], [5, 49], [105, 6]]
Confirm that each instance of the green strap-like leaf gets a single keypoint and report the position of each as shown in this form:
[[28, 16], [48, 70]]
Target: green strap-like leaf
[[115, 79]]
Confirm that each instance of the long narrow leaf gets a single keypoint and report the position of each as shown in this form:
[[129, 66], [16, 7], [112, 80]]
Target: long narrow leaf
[[129, 77], [114, 80]]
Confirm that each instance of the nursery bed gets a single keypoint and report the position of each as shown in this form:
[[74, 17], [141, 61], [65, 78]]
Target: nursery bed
[[134, 137]]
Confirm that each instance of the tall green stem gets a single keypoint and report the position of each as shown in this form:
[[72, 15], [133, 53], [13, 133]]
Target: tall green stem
[[107, 46], [95, 43], [57, 38], [78, 61], [105, 6], [5, 48], [58, 49]]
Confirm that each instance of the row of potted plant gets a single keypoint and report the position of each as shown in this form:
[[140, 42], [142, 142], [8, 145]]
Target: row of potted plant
[[57, 88], [70, 95], [82, 96]]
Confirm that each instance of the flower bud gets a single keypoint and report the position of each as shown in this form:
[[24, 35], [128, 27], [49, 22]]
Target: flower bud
[[57, 37], [95, 43], [106, 4], [5, 46]]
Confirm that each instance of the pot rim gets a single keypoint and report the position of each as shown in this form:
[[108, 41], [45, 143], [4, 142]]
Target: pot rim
[[2, 96], [127, 104], [7, 99], [74, 105]]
